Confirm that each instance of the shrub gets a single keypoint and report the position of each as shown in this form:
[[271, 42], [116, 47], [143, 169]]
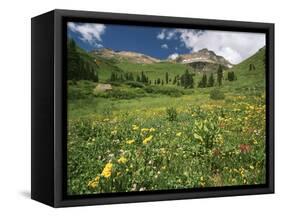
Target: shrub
[[135, 84], [217, 94], [171, 114], [170, 91], [80, 89], [120, 93]]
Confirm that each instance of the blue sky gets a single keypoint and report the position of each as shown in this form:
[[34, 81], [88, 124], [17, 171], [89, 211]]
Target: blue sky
[[165, 42], [132, 38]]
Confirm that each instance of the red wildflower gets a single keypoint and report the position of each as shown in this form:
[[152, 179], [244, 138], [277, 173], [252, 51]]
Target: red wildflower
[[245, 148]]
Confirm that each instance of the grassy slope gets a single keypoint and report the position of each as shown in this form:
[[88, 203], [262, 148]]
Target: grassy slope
[[102, 65], [154, 70], [246, 78]]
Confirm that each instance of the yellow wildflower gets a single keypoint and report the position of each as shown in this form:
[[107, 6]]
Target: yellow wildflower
[[135, 127], [113, 132], [122, 160], [252, 167], [178, 134], [147, 140], [144, 129], [162, 150], [129, 142], [151, 129], [107, 170], [94, 183]]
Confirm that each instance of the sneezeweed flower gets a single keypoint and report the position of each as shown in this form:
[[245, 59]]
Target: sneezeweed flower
[[129, 142], [107, 170], [144, 130], [178, 134], [135, 127], [122, 160], [94, 183], [147, 140]]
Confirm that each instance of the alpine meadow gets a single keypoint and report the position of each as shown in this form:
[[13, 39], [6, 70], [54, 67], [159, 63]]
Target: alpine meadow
[[142, 122]]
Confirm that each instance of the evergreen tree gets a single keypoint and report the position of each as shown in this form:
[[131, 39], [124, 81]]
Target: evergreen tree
[[203, 82], [162, 82], [138, 78], [252, 67], [187, 80], [113, 76], [130, 77], [231, 76], [167, 77], [211, 80], [73, 61], [158, 81], [219, 75], [175, 80]]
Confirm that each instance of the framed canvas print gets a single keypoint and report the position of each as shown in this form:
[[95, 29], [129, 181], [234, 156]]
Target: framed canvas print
[[131, 108]]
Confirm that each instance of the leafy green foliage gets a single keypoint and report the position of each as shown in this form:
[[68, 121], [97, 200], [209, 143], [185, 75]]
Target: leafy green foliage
[[143, 150], [171, 114], [216, 94], [165, 90], [135, 84]]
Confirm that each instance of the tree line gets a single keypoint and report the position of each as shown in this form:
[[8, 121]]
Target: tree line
[[185, 80], [77, 67]]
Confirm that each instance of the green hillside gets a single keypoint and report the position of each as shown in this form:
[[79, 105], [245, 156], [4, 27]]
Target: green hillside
[[255, 76], [84, 65]]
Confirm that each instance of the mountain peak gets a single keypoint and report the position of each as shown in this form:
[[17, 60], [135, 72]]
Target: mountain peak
[[203, 56], [130, 56], [204, 50]]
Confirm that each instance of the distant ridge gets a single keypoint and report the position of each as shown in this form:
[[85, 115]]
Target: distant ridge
[[203, 56], [125, 55]]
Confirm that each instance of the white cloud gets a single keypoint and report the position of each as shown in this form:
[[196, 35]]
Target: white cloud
[[173, 56], [99, 45], [89, 32], [171, 35], [234, 46], [161, 35], [164, 46]]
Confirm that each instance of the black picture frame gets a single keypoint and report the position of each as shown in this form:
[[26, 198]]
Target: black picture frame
[[49, 107]]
